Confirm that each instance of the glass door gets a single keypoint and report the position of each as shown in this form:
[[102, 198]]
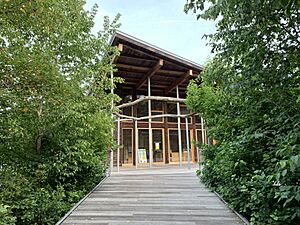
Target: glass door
[[127, 146], [143, 147], [158, 145], [174, 147]]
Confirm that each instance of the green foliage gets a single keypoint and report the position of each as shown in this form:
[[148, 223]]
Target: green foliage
[[249, 97], [6, 217], [55, 107]]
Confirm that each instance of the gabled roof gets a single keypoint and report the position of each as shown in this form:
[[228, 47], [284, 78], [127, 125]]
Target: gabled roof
[[121, 37], [139, 60]]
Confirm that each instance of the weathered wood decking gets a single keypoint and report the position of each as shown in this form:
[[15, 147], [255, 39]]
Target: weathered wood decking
[[162, 196]]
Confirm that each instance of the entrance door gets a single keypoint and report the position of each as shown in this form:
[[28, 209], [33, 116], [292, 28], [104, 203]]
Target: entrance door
[[127, 146], [143, 147], [158, 146], [174, 147]]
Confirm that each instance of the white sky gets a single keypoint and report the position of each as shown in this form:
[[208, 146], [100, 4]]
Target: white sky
[[160, 22]]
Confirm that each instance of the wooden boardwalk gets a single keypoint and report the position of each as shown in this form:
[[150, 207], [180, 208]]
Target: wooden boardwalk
[[161, 196]]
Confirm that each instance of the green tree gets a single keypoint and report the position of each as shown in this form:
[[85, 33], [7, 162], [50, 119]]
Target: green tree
[[55, 107], [249, 97]]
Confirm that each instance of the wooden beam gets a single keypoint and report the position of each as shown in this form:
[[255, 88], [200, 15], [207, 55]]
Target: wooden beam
[[126, 57], [158, 98], [131, 67], [158, 83], [173, 59], [158, 76], [152, 117], [120, 48], [179, 81], [150, 73], [162, 86], [137, 69], [141, 52]]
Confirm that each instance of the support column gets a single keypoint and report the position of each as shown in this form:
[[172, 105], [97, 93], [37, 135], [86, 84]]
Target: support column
[[114, 59], [118, 149], [150, 128], [203, 138], [196, 146], [134, 113], [112, 116], [167, 155], [188, 142], [179, 131], [136, 143]]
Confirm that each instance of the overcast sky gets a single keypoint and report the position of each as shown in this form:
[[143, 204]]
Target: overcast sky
[[160, 22]]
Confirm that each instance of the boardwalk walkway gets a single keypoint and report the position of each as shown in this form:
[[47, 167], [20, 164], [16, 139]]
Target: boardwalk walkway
[[161, 196]]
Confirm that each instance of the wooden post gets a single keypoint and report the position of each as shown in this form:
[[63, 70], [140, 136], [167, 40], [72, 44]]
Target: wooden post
[[187, 142], [206, 139], [134, 113], [179, 131], [112, 116], [136, 144], [166, 133], [115, 58], [150, 128], [196, 146], [118, 150], [202, 130]]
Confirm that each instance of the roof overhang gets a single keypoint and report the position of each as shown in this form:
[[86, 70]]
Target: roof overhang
[[139, 60]]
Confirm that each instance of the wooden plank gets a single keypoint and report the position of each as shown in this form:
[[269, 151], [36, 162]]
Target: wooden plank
[[165, 195], [179, 81], [150, 73]]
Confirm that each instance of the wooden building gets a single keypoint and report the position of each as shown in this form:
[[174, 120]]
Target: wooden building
[[152, 125]]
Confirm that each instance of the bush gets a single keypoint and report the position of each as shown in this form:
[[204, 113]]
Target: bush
[[249, 96], [55, 107]]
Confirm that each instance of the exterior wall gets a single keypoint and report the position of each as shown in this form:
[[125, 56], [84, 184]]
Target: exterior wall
[[165, 127]]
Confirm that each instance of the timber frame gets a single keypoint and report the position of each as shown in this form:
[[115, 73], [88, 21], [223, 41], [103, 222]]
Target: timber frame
[[153, 76]]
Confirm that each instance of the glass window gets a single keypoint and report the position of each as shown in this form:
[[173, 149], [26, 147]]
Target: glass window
[[157, 145], [174, 147], [156, 105], [157, 113], [172, 109], [142, 109], [197, 119], [173, 138], [157, 109], [127, 111], [199, 137], [184, 111]]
